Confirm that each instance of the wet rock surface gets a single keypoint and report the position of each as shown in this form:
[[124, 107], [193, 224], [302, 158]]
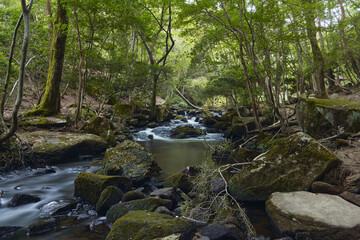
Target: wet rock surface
[[22, 199]]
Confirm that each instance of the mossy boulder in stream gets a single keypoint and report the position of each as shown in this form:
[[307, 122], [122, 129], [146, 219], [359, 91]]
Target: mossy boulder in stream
[[319, 117], [102, 127], [89, 186], [293, 164], [131, 160], [148, 204], [186, 132], [57, 147], [141, 225], [110, 196]]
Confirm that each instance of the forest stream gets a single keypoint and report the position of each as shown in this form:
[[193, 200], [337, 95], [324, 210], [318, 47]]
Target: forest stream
[[55, 183]]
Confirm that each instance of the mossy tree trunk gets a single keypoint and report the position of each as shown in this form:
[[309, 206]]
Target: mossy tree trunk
[[316, 51], [50, 103]]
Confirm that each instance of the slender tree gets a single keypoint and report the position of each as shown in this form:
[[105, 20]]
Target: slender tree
[[50, 103]]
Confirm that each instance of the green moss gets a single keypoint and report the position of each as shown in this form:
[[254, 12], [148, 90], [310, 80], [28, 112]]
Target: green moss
[[180, 180], [89, 186], [140, 225], [108, 197], [133, 195], [293, 164], [186, 132], [148, 204], [335, 103]]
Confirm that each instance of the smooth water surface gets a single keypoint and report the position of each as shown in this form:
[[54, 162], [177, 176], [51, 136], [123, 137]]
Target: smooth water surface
[[49, 187]]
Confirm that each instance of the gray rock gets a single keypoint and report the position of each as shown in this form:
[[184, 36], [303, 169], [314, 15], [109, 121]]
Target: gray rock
[[217, 185], [99, 226], [22, 199], [222, 230], [164, 210], [323, 187], [54, 208], [325, 217], [167, 193]]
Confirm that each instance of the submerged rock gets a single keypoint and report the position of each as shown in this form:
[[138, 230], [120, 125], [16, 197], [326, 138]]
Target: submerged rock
[[56, 147], [148, 204], [131, 160], [89, 186], [42, 226], [186, 132], [292, 164], [22, 199], [9, 232], [140, 225], [318, 117], [323, 216]]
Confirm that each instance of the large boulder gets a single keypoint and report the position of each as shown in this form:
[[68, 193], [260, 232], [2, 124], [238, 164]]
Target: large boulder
[[148, 204], [324, 116], [131, 160], [180, 180], [325, 217], [141, 225], [292, 164], [57, 147], [44, 122], [89, 186], [102, 127], [186, 132]]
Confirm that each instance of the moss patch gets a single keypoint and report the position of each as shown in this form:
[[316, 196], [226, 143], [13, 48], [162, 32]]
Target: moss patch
[[293, 164], [140, 225], [148, 204], [89, 186]]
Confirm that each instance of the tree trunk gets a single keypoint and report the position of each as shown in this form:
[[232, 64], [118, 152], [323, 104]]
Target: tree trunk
[[80, 86], [14, 124], [317, 55], [50, 104]]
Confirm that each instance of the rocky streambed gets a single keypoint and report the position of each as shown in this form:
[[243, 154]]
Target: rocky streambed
[[307, 191]]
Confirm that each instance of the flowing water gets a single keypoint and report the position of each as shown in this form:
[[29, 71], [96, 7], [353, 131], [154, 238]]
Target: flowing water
[[172, 155]]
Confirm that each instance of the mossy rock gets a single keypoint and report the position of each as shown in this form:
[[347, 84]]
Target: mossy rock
[[133, 195], [163, 114], [293, 164], [44, 122], [240, 155], [186, 132], [131, 160], [57, 147], [110, 196], [89, 186], [123, 110], [141, 225], [102, 127], [148, 204], [180, 180], [319, 117]]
